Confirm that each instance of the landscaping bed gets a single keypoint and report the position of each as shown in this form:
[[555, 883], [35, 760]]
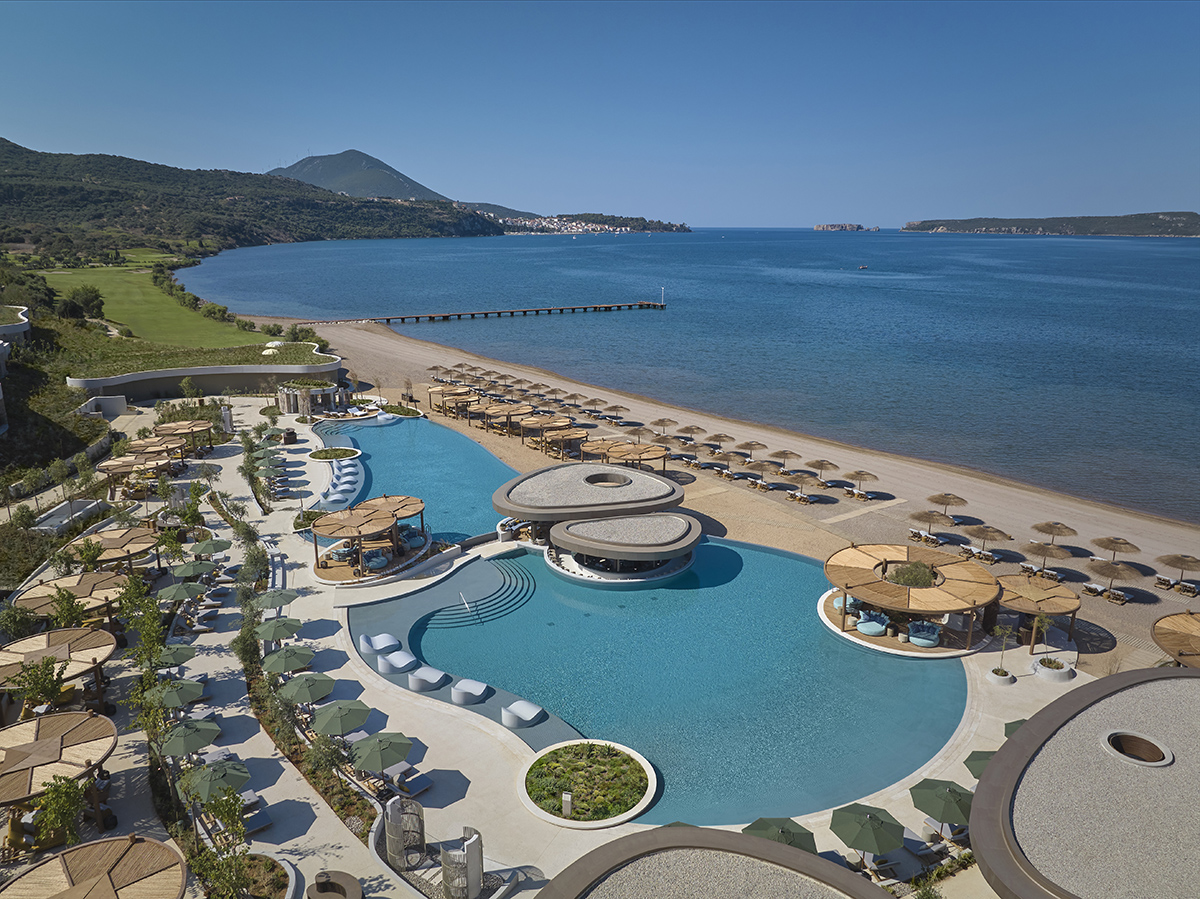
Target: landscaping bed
[[604, 781], [331, 453]]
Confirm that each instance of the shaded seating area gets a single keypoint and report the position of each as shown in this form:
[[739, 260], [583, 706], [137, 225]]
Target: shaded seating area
[[872, 623], [371, 542], [1021, 593], [924, 633]]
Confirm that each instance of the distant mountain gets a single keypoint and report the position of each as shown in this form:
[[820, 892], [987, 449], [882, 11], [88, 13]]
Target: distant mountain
[[1142, 224], [357, 175], [96, 200]]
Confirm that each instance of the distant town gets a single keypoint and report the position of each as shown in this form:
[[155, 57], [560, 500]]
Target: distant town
[[581, 223]]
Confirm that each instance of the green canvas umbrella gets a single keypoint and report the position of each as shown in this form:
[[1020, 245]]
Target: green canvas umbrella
[[193, 569], [269, 471], [267, 452], [783, 830], [215, 778], [380, 751], [190, 736], [943, 800], [178, 693], [340, 717], [175, 654], [977, 761], [867, 829], [679, 823], [289, 658], [1013, 726], [272, 599], [311, 687], [210, 546], [180, 592], [273, 432], [278, 628]]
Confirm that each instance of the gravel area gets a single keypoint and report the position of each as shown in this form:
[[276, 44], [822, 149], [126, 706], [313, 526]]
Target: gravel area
[[1087, 818], [644, 530], [567, 487], [705, 874]]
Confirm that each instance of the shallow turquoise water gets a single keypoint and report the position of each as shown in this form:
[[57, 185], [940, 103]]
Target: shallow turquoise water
[[724, 678]]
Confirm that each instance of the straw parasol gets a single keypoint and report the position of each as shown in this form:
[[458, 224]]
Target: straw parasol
[[986, 532], [1055, 529], [617, 410], [690, 430], [932, 518], [1112, 570], [1115, 545], [1178, 635], [594, 403], [945, 500], [783, 830], [762, 466], [663, 423], [1182, 561], [665, 440], [750, 446], [821, 466], [804, 479], [572, 398], [858, 476], [785, 455], [641, 432], [1046, 551], [720, 439], [726, 458]]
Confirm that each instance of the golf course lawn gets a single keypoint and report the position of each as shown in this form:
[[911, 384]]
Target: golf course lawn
[[132, 300]]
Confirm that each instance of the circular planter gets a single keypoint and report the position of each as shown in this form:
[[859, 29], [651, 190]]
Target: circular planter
[[354, 454], [1054, 675], [994, 678], [533, 808]]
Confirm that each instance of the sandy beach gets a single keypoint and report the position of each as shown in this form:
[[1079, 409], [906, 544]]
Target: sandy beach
[[1114, 634]]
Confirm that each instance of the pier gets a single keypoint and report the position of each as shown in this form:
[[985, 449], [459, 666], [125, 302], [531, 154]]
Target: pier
[[498, 313]]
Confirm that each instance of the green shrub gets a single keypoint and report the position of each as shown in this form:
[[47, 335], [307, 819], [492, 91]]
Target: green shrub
[[23, 517], [125, 331], [273, 329], [913, 574]]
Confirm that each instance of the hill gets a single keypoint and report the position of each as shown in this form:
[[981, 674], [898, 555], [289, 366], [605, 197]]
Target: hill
[[357, 175], [82, 201], [1143, 224], [502, 212]]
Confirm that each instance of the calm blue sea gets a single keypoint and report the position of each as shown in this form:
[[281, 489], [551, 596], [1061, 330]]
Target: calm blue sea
[[1066, 362]]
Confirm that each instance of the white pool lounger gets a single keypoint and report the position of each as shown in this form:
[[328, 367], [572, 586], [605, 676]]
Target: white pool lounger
[[425, 679], [466, 692], [521, 713], [396, 662], [379, 643]]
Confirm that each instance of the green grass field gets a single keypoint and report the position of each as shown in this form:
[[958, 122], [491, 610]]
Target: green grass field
[[132, 300]]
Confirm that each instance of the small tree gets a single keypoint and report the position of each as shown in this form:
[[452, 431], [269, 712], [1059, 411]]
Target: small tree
[[1042, 623], [225, 872], [17, 622], [208, 473], [63, 562], [323, 755], [163, 488], [272, 413], [68, 610], [189, 389], [89, 552], [1003, 632], [59, 471], [40, 682], [143, 432], [61, 803], [32, 482], [23, 517]]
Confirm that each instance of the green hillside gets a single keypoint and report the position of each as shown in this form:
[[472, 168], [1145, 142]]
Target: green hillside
[[86, 201], [358, 175], [1144, 224]]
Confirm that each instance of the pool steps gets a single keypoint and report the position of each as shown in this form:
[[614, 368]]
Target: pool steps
[[515, 590]]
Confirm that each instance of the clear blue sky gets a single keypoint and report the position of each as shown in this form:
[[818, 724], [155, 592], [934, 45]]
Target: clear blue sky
[[739, 114]]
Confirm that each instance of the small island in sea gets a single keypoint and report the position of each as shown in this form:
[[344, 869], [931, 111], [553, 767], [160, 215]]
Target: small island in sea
[[1142, 224], [843, 228]]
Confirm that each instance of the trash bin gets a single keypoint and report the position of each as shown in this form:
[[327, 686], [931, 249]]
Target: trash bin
[[289, 436]]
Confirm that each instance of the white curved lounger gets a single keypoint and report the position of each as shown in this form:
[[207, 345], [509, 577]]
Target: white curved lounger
[[521, 713], [379, 643], [466, 692], [425, 679], [396, 662]]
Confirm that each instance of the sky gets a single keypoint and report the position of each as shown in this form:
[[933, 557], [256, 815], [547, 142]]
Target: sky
[[717, 114]]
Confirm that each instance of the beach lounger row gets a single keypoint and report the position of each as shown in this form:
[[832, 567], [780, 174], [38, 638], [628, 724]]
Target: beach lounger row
[[916, 535], [979, 555]]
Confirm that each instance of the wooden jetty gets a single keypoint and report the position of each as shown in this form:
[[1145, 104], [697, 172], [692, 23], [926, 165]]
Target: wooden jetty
[[498, 313]]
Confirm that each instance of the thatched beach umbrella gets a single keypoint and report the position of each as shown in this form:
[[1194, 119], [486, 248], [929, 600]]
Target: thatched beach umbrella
[[594, 404], [617, 410], [720, 439], [821, 466], [1046, 551], [690, 430], [986, 532], [641, 432], [726, 458], [1115, 545], [665, 440], [762, 466], [750, 446], [804, 479], [785, 455], [555, 392], [932, 518], [945, 500], [663, 423], [1182, 561], [858, 476], [572, 398], [1112, 571], [1055, 529]]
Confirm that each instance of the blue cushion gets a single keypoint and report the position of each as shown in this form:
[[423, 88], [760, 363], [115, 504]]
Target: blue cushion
[[853, 606], [870, 628], [924, 633]]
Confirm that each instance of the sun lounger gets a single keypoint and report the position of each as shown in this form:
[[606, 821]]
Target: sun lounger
[[916, 535], [1029, 568], [356, 736], [1120, 597], [1162, 582], [933, 539], [521, 713], [425, 678], [968, 550], [398, 773], [257, 821], [396, 662], [799, 497], [1186, 588], [380, 644], [217, 755], [467, 692], [986, 556], [192, 627], [1093, 589], [872, 623], [414, 786], [249, 799], [925, 634]]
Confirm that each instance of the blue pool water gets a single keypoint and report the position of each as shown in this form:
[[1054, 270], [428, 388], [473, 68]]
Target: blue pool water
[[415, 457], [723, 678]]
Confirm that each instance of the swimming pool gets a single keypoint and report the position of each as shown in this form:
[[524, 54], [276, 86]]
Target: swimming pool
[[723, 678]]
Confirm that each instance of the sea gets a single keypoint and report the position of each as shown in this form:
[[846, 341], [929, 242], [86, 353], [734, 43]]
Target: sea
[[1070, 363]]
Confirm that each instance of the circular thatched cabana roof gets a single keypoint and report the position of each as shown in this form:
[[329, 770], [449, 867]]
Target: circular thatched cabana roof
[[94, 589], [82, 648], [129, 867], [964, 585], [350, 524], [397, 507], [1034, 596], [1178, 635], [70, 744]]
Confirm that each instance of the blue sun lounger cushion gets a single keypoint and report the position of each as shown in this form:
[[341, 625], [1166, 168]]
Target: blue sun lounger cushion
[[852, 606], [924, 633], [872, 624]]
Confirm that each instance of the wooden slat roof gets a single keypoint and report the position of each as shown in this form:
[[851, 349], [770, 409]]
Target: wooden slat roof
[[32, 752], [1178, 635], [1035, 596], [118, 868], [964, 584], [80, 647]]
